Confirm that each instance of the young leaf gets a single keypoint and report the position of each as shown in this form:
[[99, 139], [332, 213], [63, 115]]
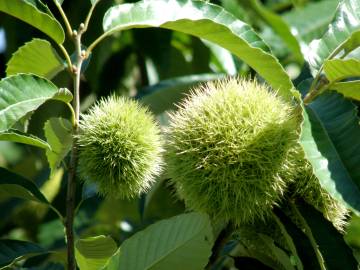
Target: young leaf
[[20, 137], [15, 250], [343, 32], [33, 13], [336, 253], [37, 57], [329, 137], [23, 93], [181, 242], [206, 21], [17, 186], [163, 95], [92, 253], [58, 135]]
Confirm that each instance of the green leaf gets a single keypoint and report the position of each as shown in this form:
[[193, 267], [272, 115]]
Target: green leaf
[[20, 137], [37, 57], [301, 241], [92, 253], [348, 89], [17, 186], [15, 250], [263, 248], [206, 21], [181, 242], [280, 27], [33, 13], [23, 93], [163, 95], [329, 137], [336, 253], [58, 133], [310, 22], [344, 31], [337, 69]]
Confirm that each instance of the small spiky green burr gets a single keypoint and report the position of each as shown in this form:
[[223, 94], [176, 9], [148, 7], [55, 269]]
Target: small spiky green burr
[[228, 150], [120, 147]]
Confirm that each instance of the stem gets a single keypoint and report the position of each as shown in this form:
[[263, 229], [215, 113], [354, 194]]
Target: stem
[[88, 17], [309, 234], [63, 15], [67, 57], [71, 187], [96, 42]]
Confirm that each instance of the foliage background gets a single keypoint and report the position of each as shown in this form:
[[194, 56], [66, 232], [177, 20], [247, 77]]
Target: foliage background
[[135, 63]]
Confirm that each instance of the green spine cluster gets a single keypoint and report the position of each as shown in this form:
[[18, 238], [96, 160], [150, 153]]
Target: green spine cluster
[[228, 150], [119, 147], [307, 186]]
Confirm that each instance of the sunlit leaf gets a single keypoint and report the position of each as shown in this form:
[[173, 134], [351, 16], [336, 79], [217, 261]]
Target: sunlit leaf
[[58, 135], [20, 137], [206, 21], [37, 57], [21, 94], [92, 253], [34, 13], [181, 242]]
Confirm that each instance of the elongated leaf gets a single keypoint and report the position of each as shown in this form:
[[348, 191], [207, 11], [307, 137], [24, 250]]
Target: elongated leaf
[[33, 13], [37, 57], [329, 137], [181, 242], [348, 89], [163, 95], [310, 22], [58, 135], [20, 137], [17, 186], [344, 29], [301, 241], [280, 27], [21, 94], [92, 253], [14, 250], [206, 21], [336, 253]]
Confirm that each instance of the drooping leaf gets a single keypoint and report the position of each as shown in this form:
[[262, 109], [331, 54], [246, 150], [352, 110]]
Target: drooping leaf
[[329, 137], [37, 57], [181, 242], [17, 186], [163, 95], [280, 27], [20, 137], [348, 89], [310, 22], [33, 13], [301, 241], [23, 93], [206, 21], [344, 29], [14, 250], [263, 248], [58, 133], [92, 253], [336, 253]]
